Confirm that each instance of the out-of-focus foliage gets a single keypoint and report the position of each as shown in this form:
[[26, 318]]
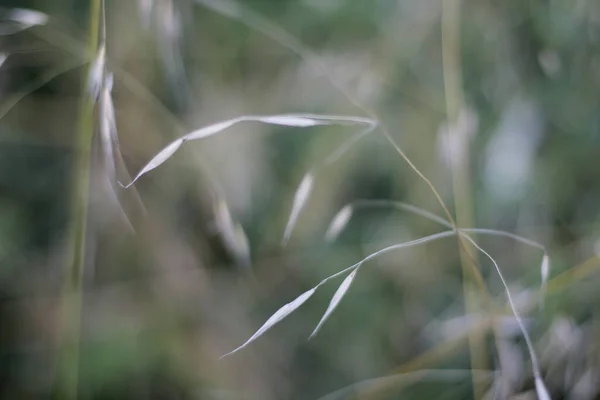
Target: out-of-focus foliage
[[164, 291]]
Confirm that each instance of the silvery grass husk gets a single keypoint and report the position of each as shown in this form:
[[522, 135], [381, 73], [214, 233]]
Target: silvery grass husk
[[15, 20], [232, 234], [68, 369], [106, 207], [170, 42], [167, 20]]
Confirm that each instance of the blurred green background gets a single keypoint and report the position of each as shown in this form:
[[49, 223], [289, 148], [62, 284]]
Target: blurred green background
[[164, 295]]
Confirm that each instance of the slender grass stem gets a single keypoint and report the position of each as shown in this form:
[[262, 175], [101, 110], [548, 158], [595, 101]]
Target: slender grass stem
[[452, 72], [67, 385]]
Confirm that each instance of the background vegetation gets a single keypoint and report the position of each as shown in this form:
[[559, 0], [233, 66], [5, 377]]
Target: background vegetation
[[495, 102]]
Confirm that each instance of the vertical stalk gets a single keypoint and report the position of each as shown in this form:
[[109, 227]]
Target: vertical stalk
[[460, 175], [67, 384]]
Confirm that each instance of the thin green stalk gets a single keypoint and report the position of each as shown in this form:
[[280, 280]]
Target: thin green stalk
[[67, 385], [452, 72]]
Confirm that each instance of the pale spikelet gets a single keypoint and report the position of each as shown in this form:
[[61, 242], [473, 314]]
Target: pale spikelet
[[293, 120], [233, 235], [335, 300], [97, 73], [109, 145], [223, 220], [545, 269], [277, 317], [210, 130], [108, 127], [158, 159], [224, 223], [170, 21], [540, 389], [146, 7], [300, 199], [3, 57], [338, 223], [28, 18], [242, 246], [545, 274], [19, 19]]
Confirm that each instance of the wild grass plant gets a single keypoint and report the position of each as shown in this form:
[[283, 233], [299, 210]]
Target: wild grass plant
[[99, 116]]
